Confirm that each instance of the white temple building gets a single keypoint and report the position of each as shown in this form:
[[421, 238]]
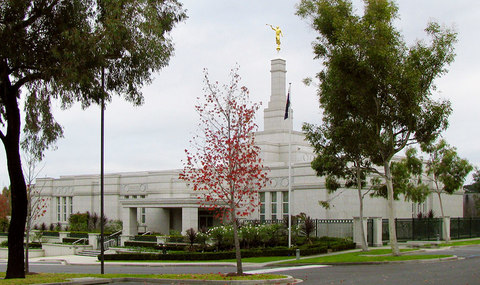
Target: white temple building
[[157, 201]]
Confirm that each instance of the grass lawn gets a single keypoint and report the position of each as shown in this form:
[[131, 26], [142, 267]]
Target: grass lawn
[[459, 243], [376, 255], [60, 277]]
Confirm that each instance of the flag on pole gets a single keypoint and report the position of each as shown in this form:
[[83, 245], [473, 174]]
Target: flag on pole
[[287, 106]]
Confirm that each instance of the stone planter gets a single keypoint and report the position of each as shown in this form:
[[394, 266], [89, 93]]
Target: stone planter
[[52, 249]]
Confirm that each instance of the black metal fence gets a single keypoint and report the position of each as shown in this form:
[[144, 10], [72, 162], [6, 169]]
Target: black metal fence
[[429, 229], [464, 228], [342, 228], [414, 229]]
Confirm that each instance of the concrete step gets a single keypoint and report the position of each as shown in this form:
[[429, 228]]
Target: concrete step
[[89, 252]]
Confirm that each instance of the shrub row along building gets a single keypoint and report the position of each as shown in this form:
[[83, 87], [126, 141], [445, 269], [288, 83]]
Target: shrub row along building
[[157, 201]]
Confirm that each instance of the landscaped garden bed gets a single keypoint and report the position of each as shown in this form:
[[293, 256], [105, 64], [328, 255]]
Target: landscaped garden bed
[[217, 244]]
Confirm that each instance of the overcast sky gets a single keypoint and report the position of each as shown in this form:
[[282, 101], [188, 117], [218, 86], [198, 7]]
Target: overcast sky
[[217, 35]]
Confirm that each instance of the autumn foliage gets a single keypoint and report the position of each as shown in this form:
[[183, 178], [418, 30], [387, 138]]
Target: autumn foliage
[[224, 165]]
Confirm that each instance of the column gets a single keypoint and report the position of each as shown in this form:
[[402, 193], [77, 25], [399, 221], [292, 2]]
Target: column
[[357, 231], [129, 219], [158, 220], [62, 235], [93, 239], [189, 219], [377, 231]]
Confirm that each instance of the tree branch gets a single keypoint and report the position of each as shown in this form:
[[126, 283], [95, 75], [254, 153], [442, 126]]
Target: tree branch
[[28, 78], [37, 13]]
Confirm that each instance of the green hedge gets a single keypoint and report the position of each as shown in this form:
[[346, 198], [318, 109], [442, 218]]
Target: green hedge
[[151, 238], [279, 251], [147, 244], [50, 234], [135, 243], [78, 234], [35, 245]]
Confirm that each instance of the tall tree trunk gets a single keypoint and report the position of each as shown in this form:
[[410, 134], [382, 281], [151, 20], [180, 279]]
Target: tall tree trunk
[[360, 198], [28, 227], [11, 141], [236, 240], [391, 210], [444, 221]]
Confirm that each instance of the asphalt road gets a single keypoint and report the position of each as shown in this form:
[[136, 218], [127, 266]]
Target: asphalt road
[[466, 270]]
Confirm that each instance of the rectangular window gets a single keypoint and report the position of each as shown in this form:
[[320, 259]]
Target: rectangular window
[[285, 204], [64, 204], [143, 216], [70, 203], [262, 206], [59, 209], [274, 205]]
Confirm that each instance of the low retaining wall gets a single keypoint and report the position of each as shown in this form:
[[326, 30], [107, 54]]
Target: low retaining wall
[[35, 252], [63, 249]]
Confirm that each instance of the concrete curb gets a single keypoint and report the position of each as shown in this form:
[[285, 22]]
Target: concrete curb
[[90, 280]]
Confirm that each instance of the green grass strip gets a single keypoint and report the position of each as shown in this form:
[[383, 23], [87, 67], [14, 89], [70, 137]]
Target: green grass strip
[[377, 255], [460, 243], [62, 277]]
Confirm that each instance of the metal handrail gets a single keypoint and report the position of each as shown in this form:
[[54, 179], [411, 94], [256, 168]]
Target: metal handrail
[[107, 244], [115, 234], [145, 233], [78, 240]]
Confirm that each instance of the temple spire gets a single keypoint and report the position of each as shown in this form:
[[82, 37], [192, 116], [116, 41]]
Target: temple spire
[[275, 112]]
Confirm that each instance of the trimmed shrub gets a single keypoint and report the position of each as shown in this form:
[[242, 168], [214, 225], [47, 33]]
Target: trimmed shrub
[[176, 238], [222, 236], [78, 235], [319, 246], [150, 238], [79, 221], [33, 245], [134, 243], [50, 234]]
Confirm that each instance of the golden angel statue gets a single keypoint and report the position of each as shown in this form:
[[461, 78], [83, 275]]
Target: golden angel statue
[[278, 33]]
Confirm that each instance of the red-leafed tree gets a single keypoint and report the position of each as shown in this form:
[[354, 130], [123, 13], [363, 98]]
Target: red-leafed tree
[[224, 165], [4, 203]]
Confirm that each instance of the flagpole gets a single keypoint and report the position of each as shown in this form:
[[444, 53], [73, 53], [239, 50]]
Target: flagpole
[[289, 170]]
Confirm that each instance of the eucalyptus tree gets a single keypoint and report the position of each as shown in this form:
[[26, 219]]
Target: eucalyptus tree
[[386, 85], [58, 50], [338, 156], [445, 169]]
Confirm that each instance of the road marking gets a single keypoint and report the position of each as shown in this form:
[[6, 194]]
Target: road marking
[[277, 269]]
